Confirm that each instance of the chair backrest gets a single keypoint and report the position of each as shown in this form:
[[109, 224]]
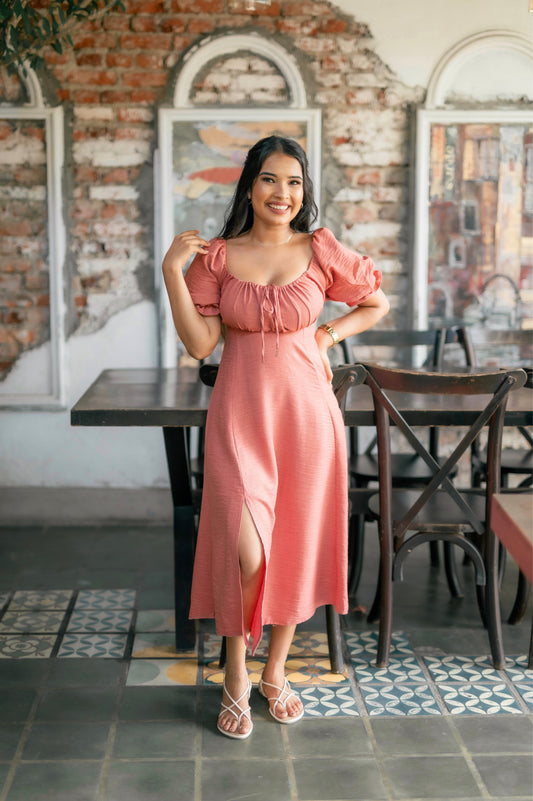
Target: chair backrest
[[384, 381], [493, 347], [401, 347]]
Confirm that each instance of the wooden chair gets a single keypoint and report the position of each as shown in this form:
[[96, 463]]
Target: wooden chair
[[343, 378], [504, 348], [394, 348], [438, 511]]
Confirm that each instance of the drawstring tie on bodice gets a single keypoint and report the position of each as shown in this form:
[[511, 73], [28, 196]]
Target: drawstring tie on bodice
[[269, 303]]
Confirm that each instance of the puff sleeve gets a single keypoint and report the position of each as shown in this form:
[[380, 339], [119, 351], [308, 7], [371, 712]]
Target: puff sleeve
[[203, 279], [350, 277]]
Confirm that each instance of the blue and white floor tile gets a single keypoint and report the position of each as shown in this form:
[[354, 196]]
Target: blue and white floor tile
[[526, 693], [364, 645], [401, 670], [479, 699], [105, 599], [399, 701], [93, 620], [517, 670], [464, 669], [4, 598], [327, 702], [94, 646], [40, 600]]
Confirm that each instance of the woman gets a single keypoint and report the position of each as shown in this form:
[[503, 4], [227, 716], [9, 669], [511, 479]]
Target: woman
[[272, 539]]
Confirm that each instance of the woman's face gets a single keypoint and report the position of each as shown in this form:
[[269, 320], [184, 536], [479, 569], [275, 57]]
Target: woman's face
[[277, 192]]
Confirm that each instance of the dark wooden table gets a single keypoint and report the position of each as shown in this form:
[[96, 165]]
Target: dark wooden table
[[176, 400]]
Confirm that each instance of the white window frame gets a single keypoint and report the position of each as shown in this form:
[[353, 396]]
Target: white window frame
[[54, 133]]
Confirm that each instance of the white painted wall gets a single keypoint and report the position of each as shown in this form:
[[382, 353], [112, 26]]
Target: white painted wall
[[41, 448], [412, 35]]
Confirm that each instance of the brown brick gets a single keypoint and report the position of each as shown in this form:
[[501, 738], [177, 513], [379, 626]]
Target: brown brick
[[123, 60], [90, 59], [43, 301], [147, 96], [80, 300], [145, 41], [198, 6], [116, 22], [83, 41], [86, 174], [150, 77], [149, 61], [144, 24], [201, 26], [93, 77], [119, 175], [333, 25], [369, 177], [146, 6], [15, 228], [173, 25], [83, 96], [115, 96]]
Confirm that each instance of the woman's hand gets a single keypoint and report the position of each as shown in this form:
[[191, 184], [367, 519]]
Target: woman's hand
[[323, 341], [182, 248]]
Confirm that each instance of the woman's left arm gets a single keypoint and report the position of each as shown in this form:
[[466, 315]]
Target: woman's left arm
[[364, 316]]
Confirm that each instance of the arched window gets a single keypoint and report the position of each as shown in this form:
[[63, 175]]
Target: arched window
[[32, 247], [230, 91]]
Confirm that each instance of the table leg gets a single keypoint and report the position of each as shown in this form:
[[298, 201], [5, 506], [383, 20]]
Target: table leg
[[184, 533]]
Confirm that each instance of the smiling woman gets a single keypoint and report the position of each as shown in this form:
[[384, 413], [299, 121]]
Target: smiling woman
[[272, 539]]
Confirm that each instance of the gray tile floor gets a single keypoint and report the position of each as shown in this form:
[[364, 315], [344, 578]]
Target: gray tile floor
[[73, 729]]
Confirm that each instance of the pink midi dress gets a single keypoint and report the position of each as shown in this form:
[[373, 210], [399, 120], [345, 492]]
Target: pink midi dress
[[275, 440]]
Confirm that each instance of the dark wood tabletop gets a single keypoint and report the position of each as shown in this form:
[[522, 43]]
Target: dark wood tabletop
[[176, 397]]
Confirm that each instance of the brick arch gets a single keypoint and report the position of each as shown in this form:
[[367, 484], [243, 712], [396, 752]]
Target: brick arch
[[223, 46]]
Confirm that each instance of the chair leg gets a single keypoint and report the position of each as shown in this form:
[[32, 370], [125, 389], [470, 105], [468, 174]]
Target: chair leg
[[492, 604], [373, 615], [357, 541], [521, 599], [451, 571], [334, 640], [434, 556]]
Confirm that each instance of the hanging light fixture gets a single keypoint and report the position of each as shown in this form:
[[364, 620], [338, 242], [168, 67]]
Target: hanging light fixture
[[248, 5]]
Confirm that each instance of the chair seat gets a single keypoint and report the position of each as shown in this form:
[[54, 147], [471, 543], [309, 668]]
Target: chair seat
[[406, 468], [514, 460], [440, 514]]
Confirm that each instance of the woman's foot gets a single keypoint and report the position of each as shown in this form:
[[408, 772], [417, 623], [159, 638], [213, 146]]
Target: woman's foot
[[284, 704], [235, 719]]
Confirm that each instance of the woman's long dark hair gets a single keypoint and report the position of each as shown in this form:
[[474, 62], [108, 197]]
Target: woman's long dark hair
[[239, 216]]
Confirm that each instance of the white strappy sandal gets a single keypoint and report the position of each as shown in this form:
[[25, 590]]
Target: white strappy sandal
[[272, 709], [235, 735]]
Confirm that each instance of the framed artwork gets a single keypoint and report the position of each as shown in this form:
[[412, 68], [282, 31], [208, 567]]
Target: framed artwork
[[473, 219], [200, 160]]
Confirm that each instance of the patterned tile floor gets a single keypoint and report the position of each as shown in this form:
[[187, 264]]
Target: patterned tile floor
[[95, 705], [100, 624]]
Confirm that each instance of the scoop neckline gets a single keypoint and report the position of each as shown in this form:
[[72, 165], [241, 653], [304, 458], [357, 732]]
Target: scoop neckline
[[265, 286]]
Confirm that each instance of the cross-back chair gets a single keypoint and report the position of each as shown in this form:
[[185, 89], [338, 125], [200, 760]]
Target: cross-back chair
[[438, 511], [504, 348], [344, 377], [403, 349]]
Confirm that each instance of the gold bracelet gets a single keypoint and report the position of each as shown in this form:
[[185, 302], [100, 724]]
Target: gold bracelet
[[331, 331]]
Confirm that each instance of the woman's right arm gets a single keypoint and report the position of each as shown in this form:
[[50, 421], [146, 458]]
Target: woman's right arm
[[198, 333]]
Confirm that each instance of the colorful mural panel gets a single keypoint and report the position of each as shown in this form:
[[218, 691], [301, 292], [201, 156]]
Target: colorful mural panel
[[480, 245]]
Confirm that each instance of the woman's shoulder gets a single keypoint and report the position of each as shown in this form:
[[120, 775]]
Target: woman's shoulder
[[324, 238]]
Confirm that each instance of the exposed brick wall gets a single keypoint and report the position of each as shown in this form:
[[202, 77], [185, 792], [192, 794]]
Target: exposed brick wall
[[124, 66], [24, 299]]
